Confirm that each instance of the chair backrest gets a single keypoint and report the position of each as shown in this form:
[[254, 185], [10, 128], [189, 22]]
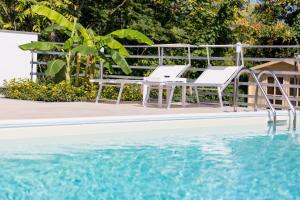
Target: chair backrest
[[168, 71], [218, 75]]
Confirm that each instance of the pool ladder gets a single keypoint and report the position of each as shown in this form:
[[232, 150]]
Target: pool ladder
[[257, 78]]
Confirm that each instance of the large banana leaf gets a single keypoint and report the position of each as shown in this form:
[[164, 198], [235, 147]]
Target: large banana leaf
[[53, 16], [54, 67], [111, 43], [108, 66], [88, 40], [120, 61], [84, 50], [101, 57], [132, 35], [56, 27], [102, 40], [39, 46], [114, 44], [70, 42], [91, 32]]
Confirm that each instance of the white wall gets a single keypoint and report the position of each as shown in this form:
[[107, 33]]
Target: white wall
[[15, 63]]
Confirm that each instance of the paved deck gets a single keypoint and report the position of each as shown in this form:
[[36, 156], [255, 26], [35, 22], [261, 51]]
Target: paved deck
[[18, 109]]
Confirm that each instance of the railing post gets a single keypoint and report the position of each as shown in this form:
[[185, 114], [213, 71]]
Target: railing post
[[31, 71], [256, 98], [295, 121], [159, 56], [189, 55], [162, 56], [235, 93], [274, 122], [101, 71], [208, 56], [238, 49], [101, 65]]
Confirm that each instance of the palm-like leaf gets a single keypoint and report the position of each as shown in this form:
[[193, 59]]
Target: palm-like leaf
[[56, 27], [88, 41], [70, 42], [54, 67], [111, 43], [53, 16], [114, 44], [108, 66], [132, 35], [39, 46], [84, 50], [120, 61]]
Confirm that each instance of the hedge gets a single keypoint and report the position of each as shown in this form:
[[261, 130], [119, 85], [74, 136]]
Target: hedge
[[63, 92]]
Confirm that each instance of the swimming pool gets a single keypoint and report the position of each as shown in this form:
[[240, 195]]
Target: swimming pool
[[186, 157]]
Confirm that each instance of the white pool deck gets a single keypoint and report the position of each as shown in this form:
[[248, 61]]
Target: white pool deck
[[11, 109]]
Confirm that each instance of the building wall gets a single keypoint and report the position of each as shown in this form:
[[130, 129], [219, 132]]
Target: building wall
[[15, 63], [272, 91]]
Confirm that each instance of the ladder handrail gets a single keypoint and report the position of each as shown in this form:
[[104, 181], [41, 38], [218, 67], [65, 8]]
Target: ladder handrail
[[236, 85], [277, 82]]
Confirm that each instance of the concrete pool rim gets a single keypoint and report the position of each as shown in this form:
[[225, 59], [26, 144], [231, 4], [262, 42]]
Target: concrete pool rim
[[129, 119]]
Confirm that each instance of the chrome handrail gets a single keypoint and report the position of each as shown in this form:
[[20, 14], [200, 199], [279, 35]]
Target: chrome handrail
[[292, 108], [258, 85]]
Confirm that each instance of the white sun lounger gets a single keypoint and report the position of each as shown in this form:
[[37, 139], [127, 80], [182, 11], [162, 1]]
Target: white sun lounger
[[163, 73], [213, 77], [160, 75]]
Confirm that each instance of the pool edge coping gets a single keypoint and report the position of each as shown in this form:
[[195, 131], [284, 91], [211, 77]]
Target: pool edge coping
[[21, 123]]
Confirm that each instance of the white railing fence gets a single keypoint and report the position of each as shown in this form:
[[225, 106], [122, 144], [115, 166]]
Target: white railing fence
[[140, 54]]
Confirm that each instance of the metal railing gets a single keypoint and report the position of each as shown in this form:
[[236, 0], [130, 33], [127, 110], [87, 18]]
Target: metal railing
[[197, 58], [258, 85], [193, 58], [278, 84]]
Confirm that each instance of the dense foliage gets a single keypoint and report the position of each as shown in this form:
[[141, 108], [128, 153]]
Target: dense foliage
[[190, 21], [82, 44], [64, 92], [170, 21], [43, 91]]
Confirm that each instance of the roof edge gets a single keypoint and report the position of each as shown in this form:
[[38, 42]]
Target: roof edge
[[18, 32], [267, 64]]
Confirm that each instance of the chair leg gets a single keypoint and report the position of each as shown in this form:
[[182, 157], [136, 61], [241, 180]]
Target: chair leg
[[197, 94], [191, 90], [120, 93], [99, 93], [168, 94], [146, 93], [183, 96], [170, 97], [145, 90], [160, 95], [220, 97]]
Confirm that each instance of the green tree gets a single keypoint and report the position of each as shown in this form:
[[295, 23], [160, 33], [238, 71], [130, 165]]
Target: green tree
[[85, 42], [164, 21]]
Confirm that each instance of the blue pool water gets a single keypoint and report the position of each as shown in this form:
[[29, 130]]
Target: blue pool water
[[219, 167]]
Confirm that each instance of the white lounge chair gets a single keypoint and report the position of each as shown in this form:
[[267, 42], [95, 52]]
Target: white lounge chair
[[162, 74], [159, 76], [213, 77]]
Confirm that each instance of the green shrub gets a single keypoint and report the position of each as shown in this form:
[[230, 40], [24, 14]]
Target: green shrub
[[131, 92], [64, 92], [29, 90]]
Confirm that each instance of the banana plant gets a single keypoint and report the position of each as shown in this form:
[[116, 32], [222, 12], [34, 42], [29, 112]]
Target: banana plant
[[83, 43]]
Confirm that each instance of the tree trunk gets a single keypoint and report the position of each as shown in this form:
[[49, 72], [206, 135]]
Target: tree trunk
[[87, 67], [78, 59]]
